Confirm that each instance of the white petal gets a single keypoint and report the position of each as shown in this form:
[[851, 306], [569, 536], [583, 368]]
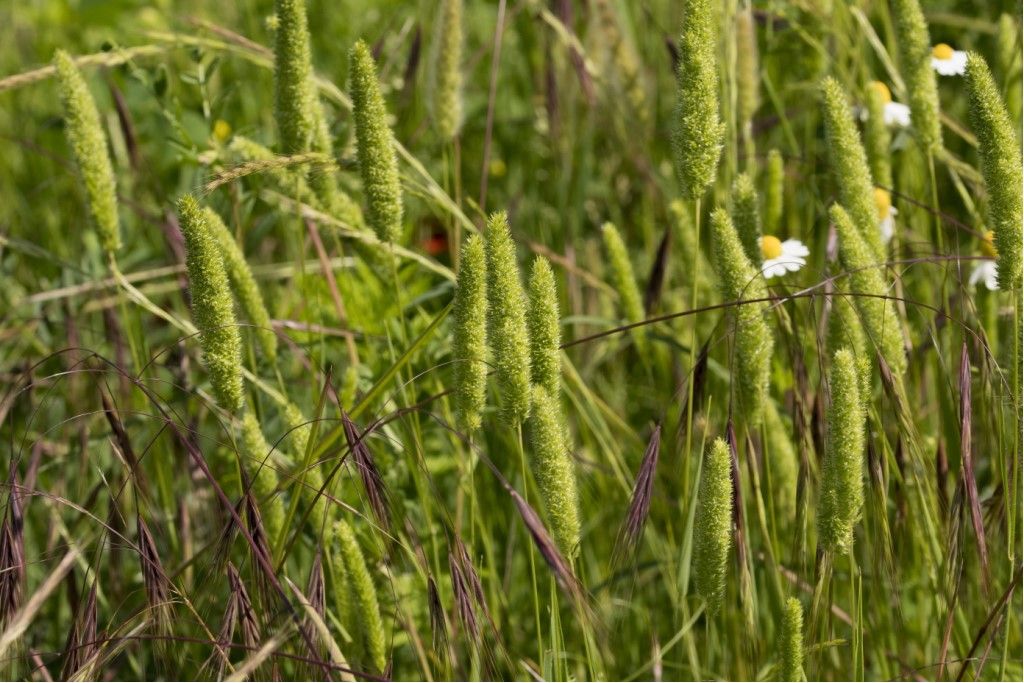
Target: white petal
[[793, 247], [954, 66], [897, 114], [887, 226], [985, 272]]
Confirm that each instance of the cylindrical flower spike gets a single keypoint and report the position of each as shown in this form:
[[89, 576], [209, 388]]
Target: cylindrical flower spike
[[211, 305], [845, 330], [1000, 167], [877, 314], [916, 64], [552, 467], [791, 645], [698, 132], [713, 526], [506, 320], [748, 74], [366, 606], [243, 283], [260, 468], [782, 463], [446, 70], [775, 187], [747, 218], [739, 280], [877, 138], [624, 282], [842, 485], [378, 164], [469, 344], [89, 144], [543, 323], [294, 97], [850, 166]]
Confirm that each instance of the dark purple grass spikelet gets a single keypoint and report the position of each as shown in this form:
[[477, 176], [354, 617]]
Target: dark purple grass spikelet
[[640, 503], [373, 482]]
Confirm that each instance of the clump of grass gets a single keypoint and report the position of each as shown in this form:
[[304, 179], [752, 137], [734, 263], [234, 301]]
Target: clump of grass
[[506, 320], [211, 304], [89, 145], [469, 342], [1000, 166], [713, 526], [378, 164], [842, 486]]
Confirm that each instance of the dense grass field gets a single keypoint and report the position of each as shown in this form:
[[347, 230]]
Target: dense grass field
[[510, 339]]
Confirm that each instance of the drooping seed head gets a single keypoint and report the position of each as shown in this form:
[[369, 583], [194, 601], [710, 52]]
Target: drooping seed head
[[89, 145], [746, 217], [698, 132], [624, 281], [713, 526], [543, 322], [791, 645], [506, 320], [775, 187], [378, 164], [552, 467], [916, 64], [868, 289], [842, 485], [243, 283], [469, 343], [739, 280], [446, 70], [849, 165], [212, 310], [1000, 167]]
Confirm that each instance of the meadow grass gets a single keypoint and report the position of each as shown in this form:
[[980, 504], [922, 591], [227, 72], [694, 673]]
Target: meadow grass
[[518, 340]]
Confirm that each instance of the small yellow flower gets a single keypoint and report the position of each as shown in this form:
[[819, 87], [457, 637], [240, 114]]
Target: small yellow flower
[[895, 114], [948, 62], [497, 168], [221, 130], [782, 257], [886, 214], [986, 271]]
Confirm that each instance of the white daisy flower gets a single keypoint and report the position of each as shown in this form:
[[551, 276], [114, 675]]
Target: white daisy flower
[[782, 257], [948, 62], [886, 214], [986, 271], [894, 114]]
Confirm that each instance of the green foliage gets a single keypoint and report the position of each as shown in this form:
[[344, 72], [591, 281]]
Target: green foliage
[[1000, 166], [89, 145], [211, 305]]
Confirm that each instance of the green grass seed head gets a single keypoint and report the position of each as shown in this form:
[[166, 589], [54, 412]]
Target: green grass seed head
[[294, 98], [748, 70], [877, 139], [850, 165], [469, 343], [713, 526], [243, 283], [791, 646], [915, 48], [89, 145], [1000, 167], [378, 164], [261, 471], [878, 315], [842, 484], [775, 188], [739, 280], [746, 217], [845, 330], [698, 132], [365, 606], [446, 71], [782, 462], [506, 320], [552, 466], [543, 322], [624, 281], [212, 309]]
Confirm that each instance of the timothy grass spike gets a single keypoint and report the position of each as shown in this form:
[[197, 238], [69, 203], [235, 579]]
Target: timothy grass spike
[[791, 646], [916, 65], [713, 526], [446, 70], [624, 282], [366, 606], [877, 138], [469, 343], [747, 218], [543, 324], [775, 187], [553, 469]]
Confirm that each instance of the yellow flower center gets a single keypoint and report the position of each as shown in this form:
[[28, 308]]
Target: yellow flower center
[[221, 130], [988, 247], [771, 247], [942, 51], [883, 90], [883, 202]]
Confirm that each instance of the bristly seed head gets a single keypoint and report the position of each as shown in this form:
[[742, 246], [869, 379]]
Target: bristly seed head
[[469, 339], [543, 323], [713, 526]]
